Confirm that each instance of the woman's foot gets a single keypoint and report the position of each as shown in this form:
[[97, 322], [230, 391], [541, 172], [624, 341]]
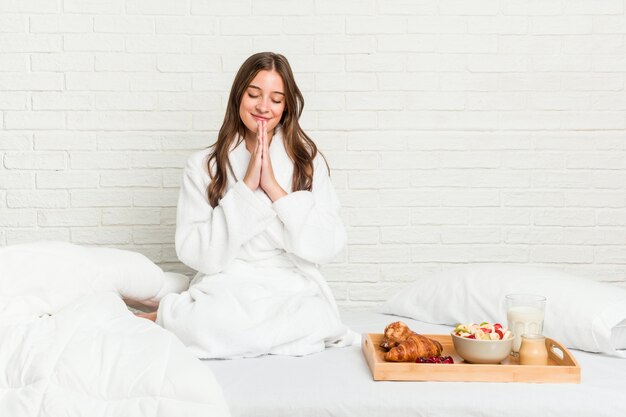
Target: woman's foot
[[150, 316]]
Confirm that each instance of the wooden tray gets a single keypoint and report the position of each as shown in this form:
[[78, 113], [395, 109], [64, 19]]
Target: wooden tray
[[562, 367]]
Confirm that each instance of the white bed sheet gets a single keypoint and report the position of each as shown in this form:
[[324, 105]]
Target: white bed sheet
[[337, 382]]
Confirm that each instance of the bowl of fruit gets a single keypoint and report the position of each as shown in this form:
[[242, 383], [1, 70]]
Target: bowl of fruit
[[482, 342]]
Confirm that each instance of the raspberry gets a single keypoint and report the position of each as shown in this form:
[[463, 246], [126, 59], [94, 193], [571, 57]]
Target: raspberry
[[435, 359]]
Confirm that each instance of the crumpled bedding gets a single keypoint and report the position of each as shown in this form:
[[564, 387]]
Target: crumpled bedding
[[76, 350]]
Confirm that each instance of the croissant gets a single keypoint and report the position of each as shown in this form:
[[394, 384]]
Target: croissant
[[395, 333], [415, 346]]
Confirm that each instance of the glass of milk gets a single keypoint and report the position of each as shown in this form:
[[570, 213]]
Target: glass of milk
[[524, 313]]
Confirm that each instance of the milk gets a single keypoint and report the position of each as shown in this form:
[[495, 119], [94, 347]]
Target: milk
[[524, 320]]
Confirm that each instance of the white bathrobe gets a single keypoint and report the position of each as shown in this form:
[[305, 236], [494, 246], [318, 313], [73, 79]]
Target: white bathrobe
[[258, 289]]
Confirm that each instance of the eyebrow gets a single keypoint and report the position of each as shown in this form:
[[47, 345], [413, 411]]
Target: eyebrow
[[258, 88]]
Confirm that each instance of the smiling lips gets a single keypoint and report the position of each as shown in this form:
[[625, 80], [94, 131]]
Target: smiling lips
[[260, 118]]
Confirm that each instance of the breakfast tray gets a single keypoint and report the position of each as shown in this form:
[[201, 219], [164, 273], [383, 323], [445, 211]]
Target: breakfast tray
[[562, 367]]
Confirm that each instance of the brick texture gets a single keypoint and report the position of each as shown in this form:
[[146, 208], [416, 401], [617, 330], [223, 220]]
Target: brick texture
[[457, 131]]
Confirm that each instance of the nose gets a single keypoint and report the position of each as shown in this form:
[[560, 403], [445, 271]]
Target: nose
[[262, 105]]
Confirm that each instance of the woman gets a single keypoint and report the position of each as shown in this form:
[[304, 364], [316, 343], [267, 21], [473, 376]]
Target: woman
[[257, 212]]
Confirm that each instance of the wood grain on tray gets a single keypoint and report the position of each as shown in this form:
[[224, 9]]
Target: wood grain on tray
[[562, 367]]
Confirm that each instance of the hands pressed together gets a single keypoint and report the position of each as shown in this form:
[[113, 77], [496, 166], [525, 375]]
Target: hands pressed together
[[260, 172]]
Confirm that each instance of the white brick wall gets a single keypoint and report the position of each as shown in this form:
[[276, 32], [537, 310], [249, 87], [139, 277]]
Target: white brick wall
[[458, 131]]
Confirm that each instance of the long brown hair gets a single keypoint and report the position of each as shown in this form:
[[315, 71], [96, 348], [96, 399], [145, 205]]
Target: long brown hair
[[299, 147]]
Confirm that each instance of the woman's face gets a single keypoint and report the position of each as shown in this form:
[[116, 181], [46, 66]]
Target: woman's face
[[264, 99]]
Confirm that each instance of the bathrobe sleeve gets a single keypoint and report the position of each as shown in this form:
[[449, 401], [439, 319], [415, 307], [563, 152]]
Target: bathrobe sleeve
[[208, 239], [313, 229]]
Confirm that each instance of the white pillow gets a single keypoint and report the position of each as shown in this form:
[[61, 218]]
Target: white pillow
[[580, 313], [42, 277]]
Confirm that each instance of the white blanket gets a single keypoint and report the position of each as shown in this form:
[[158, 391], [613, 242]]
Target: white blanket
[[258, 290], [42, 277], [69, 346]]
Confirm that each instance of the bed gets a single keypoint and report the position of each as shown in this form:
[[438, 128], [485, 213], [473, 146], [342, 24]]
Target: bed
[[338, 382], [69, 346]]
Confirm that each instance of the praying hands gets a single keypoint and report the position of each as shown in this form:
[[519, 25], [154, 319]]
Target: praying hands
[[260, 172]]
